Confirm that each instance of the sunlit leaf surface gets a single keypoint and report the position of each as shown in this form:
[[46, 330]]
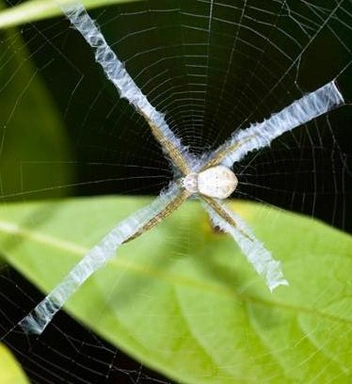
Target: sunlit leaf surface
[[184, 300]]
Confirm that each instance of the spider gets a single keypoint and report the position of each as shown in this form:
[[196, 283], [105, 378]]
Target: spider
[[209, 177]]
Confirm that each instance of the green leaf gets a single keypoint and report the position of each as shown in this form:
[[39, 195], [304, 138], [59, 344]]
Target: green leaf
[[34, 144], [11, 373], [183, 299], [35, 10]]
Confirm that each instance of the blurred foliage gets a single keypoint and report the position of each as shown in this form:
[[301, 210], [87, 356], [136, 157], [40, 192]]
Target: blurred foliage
[[34, 146], [10, 371], [192, 307], [35, 10]]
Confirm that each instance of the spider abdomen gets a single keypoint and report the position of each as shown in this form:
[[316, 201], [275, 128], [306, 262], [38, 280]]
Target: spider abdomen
[[218, 182]]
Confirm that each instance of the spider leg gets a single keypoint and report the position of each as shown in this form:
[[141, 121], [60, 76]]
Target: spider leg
[[128, 89], [165, 212], [260, 135], [254, 250], [130, 228]]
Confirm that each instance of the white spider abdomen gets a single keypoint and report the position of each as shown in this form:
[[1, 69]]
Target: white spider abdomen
[[218, 182]]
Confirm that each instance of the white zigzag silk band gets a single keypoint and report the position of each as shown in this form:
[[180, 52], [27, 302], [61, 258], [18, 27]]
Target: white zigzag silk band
[[117, 74], [255, 252], [301, 111], [36, 321]]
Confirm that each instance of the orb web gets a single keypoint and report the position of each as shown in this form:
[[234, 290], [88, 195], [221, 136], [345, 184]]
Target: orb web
[[213, 67]]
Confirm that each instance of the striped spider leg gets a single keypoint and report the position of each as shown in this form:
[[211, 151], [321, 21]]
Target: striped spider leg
[[211, 179]]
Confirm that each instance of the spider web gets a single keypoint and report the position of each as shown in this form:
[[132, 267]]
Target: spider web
[[211, 67]]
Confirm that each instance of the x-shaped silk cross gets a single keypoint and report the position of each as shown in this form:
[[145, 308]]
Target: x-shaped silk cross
[[190, 169]]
